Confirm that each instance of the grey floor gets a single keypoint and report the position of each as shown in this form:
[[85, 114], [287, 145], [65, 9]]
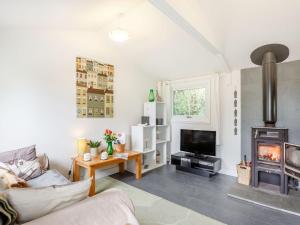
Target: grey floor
[[207, 196]]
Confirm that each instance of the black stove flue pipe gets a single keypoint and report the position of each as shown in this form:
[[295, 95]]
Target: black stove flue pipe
[[268, 56]]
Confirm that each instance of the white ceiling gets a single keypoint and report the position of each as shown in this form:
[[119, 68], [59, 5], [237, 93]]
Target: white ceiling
[[157, 45]]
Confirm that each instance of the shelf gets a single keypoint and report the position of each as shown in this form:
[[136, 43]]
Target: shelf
[[164, 125], [148, 150], [152, 167], [161, 141]]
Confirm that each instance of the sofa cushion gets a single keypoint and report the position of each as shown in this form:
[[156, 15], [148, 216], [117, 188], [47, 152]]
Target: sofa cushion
[[27, 153], [111, 207], [32, 203], [23, 162], [49, 178], [44, 161]]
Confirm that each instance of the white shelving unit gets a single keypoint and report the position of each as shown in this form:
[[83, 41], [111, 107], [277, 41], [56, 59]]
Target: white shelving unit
[[152, 139]]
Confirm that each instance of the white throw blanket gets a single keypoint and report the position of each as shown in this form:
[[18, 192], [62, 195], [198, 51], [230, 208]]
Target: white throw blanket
[[111, 207]]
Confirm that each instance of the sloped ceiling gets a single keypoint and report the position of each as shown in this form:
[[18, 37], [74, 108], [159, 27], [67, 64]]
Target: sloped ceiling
[[157, 45]]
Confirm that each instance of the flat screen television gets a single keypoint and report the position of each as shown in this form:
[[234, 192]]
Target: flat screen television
[[199, 142]]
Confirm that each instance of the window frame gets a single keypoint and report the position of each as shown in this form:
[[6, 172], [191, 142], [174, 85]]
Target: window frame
[[188, 85]]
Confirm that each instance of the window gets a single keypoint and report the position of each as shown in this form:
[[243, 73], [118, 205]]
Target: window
[[191, 101]]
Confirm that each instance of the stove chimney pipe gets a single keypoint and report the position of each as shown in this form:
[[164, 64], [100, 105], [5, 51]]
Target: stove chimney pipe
[[268, 56]]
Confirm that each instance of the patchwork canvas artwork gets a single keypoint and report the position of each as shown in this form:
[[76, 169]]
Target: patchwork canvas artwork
[[94, 88]]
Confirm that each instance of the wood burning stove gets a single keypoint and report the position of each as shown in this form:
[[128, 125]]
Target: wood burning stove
[[267, 157], [268, 142]]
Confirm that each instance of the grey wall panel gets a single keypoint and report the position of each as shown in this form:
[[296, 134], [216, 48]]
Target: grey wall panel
[[288, 102]]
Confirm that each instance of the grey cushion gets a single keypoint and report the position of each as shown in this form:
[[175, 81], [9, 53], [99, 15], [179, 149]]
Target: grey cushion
[[27, 153], [22, 162], [49, 178], [32, 203]]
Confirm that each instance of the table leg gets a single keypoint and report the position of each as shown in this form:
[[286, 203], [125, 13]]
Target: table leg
[[121, 167], [76, 171], [91, 174], [138, 167]]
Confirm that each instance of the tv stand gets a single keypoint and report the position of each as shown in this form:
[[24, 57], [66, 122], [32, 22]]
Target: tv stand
[[202, 165]]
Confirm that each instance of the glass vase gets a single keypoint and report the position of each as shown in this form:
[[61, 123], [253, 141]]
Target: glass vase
[[151, 96], [110, 149]]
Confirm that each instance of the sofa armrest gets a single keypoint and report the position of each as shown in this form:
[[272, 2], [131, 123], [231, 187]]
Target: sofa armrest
[[44, 161]]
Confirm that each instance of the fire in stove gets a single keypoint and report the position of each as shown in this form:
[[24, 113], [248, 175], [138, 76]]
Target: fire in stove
[[270, 153]]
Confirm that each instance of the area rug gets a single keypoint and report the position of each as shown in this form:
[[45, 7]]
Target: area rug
[[286, 203], [154, 210]]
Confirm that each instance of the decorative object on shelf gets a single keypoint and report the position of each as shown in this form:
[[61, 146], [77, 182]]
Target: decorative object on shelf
[[158, 98], [159, 121], [147, 141], [144, 161], [94, 88], [87, 156], [145, 120], [94, 145], [157, 134], [109, 137], [82, 146], [235, 112], [104, 155], [151, 97], [157, 157]]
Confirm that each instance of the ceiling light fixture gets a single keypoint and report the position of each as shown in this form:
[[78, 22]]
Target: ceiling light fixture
[[119, 34]]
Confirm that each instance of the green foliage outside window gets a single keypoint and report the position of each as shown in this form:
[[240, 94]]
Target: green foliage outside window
[[189, 102]]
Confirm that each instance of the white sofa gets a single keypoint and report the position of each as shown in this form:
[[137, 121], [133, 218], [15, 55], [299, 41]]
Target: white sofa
[[111, 207]]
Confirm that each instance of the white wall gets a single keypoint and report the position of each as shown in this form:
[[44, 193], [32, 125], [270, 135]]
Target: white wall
[[229, 145], [230, 149], [37, 91]]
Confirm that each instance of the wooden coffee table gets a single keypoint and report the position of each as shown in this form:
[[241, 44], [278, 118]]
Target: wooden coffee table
[[97, 163]]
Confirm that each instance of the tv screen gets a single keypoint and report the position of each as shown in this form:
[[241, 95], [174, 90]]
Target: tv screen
[[199, 142]]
